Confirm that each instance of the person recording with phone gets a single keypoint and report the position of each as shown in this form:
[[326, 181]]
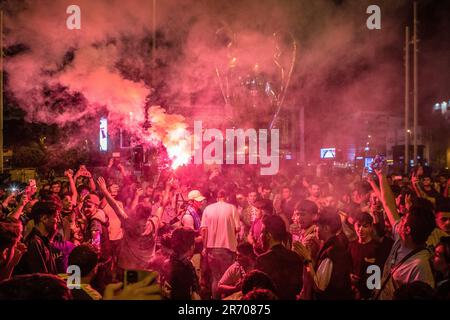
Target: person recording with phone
[[84, 173]]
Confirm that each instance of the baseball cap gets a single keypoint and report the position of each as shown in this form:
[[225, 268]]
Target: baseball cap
[[195, 195]]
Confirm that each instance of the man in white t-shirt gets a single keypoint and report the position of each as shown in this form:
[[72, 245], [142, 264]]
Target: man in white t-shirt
[[409, 260], [115, 226], [219, 226]]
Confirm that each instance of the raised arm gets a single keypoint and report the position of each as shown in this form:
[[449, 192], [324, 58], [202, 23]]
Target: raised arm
[[374, 186], [91, 182], [418, 190], [18, 212], [151, 227], [165, 200], [387, 198], [73, 188], [139, 192], [111, 201]]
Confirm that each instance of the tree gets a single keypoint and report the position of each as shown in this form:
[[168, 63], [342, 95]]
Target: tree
[[31, 155]]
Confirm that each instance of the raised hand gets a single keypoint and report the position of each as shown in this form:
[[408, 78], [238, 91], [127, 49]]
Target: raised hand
[[301, 250], [102, 184], [148, 228], [146, 289], [408, 201], [139, 192], [414, 178], [24, 199], [19, 251], [111, 163], [68, 173]]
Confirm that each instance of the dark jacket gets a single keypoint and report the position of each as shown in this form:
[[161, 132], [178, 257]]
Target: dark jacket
[[40, 256], [179, 279], [339, 287], [285, 268]]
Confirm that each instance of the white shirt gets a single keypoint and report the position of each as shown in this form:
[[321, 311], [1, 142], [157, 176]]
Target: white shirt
[[222, 221], [115, 225], [415, 268]]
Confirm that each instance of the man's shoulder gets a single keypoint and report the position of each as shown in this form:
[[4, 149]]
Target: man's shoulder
[[33, 238], [421, 259], [264, 256], [279, 251]]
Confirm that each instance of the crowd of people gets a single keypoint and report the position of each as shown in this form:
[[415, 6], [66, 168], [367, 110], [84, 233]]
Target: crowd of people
[[227, 234]]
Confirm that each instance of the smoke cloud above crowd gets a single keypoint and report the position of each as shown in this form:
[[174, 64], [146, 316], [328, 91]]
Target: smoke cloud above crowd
[[108, 67]]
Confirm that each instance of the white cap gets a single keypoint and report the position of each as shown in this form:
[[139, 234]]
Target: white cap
[[195, 195]]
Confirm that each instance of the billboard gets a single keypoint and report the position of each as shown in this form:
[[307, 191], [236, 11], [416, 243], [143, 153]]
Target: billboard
[[103, 134], [327, 153]]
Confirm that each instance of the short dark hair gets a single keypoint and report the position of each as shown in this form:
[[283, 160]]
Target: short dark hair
[[256, 279], [416, 290], [421, 221], [51, 198], [182, 239], [35, 287], [66, 194], [442, 204], [329, 216], [55, 182], [445, 242], [363, 218], [42, 208], [9, 233], [307, 206], [82, 187], [85, 256], [222, 193], [260, 294], [246, 249], [275, 226]]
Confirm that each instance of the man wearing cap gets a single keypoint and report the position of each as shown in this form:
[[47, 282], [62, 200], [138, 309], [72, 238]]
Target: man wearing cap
[[192, 216], [93, 223]]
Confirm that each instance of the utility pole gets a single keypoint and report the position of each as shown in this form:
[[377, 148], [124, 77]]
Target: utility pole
[[407, 131], [301, 157], [416, 82], [154, 35]]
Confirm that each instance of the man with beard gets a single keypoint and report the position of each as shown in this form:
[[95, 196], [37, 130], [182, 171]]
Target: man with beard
[[409, 260], [39, 257], [92, 223], [283, 266], [249, 212], [330, 273], [314, 194], [192, 216], [287, 204]]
